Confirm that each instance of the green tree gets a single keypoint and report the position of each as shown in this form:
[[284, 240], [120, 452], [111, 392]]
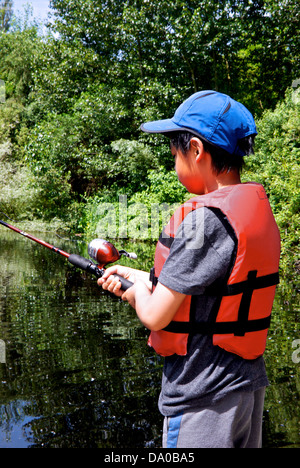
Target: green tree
[[6, 12], [17, 49], [19, 192], [267, 56], [240, 47], [76, 98], [16, 59], [276, 164]]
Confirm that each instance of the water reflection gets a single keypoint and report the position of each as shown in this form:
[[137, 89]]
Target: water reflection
[[78, 372]]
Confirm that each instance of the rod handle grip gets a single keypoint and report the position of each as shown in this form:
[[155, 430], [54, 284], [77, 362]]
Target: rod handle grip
[[90, 267], [126, 284], [85, 264]]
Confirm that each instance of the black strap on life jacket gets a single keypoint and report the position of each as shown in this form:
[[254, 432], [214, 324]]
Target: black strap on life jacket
[[243, 325], [218, 328], [240, 327], [166, 241]]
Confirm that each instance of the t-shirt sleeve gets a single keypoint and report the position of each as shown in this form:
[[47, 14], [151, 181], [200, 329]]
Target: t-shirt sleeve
[[202, 252]]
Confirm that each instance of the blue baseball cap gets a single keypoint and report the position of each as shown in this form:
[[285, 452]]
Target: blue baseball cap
[[213, 116]]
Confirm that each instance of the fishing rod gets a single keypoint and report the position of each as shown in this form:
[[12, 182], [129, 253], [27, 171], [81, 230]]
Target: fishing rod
[[100, 250]]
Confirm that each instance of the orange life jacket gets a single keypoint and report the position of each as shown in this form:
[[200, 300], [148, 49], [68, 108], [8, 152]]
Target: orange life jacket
[[241, 323]]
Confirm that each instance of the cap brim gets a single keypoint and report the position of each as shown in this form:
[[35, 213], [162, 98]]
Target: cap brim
[[160, 126]]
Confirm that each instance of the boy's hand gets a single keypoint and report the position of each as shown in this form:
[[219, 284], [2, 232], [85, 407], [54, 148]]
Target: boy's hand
[[156, 310], [111, 283]]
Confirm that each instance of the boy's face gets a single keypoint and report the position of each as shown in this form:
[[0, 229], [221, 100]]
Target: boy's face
[[188, 170]]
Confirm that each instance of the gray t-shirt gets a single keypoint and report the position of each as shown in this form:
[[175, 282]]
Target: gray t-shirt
[[203, 252]]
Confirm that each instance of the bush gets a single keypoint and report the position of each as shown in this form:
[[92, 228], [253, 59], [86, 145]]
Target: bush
[[19, 198], [140, 215], [276, 166]]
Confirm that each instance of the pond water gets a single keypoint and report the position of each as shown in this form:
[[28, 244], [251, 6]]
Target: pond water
[[75, 368]]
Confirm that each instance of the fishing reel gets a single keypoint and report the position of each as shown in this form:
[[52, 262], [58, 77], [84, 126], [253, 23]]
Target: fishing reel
[[104, 252]]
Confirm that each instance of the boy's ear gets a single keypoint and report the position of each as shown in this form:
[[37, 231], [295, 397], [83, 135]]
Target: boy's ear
[[197, 147]]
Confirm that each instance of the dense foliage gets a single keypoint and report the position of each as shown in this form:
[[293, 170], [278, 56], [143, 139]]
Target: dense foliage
[[276, 166], [77, 94]]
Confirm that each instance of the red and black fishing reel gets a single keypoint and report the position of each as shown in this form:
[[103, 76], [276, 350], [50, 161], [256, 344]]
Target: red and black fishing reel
[[104, 252]]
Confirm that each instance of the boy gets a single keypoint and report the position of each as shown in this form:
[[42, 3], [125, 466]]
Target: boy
[[209, 300]]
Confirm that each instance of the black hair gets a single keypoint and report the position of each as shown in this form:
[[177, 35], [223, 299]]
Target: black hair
[[221, 159]]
